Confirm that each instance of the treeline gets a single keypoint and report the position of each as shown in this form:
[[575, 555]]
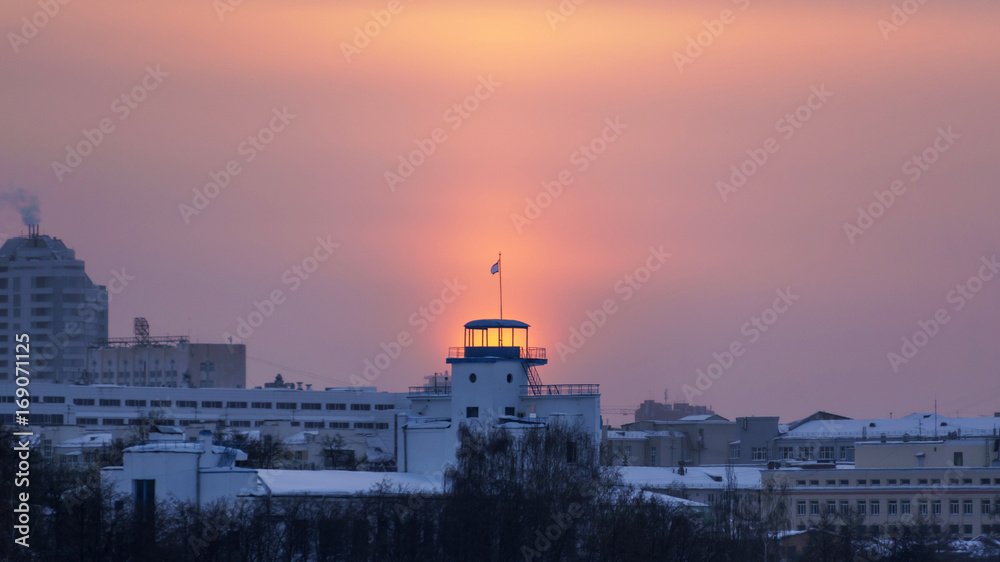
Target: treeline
[[539, 495]]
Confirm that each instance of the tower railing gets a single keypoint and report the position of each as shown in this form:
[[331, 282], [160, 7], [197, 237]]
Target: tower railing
[[525, 352], [559, 389]]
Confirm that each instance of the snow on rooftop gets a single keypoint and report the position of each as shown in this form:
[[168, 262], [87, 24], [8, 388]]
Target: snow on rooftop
[[341, 482], [914, 425], [702, 477], [88, 440]]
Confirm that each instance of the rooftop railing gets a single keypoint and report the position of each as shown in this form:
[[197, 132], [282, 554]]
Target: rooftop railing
[[559, 389], [430, 391], [500, 351]]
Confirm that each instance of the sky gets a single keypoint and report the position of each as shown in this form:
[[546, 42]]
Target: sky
[[766, 207]]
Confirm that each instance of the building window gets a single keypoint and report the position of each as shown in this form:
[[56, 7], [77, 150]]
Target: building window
[[953, 507], [382, 425], [826, 453], [145, 501], [364, 425], [236, 405], [314, 425], [508, 411], [847, 453], [936, 507], [967, 507], [261, 405], [285, 405], [110, 402], [83, 401], [862, 482], [800, 508], [339, 425], [861, 507], [734, 450], [805, 452], [187, 404], [958, 459], [876, 482], [845, 508], [831, 507], [472, 412], [985, 507], [159, 403], [813, 507], [472, 377], [570, 452], [86, 421], [891, 482], [311, 406], [905, 504], [758, 453], [875, 507], [385, 406], [967, 529], [211, 403], [62, 400], [893, 507], [785, 453], [922, 507], [361, 406], [336, 406]]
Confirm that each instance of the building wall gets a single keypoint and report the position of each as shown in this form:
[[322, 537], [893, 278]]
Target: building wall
[[971, 452], [182, 364], [45, 292], [884, 495], [361, 410]]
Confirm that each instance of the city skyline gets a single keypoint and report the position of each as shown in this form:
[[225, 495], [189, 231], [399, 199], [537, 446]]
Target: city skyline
[[630, 168]]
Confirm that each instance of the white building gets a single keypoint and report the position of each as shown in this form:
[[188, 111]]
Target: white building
[[494, 381], [45, 292], [168, 466], [355, 412]]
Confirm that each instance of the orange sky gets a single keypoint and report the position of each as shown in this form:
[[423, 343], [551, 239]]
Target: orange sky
[[554, 90]]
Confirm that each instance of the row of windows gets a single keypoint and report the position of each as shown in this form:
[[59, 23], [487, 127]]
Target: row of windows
[[898, 507], [58, 420], [218, 404], [808, 452], [900, 482], [875, 530]]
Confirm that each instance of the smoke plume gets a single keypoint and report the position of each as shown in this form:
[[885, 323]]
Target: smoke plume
[[25, 203]]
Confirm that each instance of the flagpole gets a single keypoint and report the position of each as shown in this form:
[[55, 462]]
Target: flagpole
[[500, 271]]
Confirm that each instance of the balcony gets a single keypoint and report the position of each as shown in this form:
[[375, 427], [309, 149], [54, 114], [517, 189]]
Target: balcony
[[506, 352], [560, 390]]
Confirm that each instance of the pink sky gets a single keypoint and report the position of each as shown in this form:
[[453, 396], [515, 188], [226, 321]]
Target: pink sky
[[654, 186]]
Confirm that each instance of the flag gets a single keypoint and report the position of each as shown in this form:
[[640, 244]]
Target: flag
[[495, 268]]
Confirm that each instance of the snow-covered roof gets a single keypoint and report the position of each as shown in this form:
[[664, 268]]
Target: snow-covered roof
[[182, 447], [698, 417], [914, 425], [673, 501], [341, 482], [87, 441], [301, 438], [376, 451], [694, 477]]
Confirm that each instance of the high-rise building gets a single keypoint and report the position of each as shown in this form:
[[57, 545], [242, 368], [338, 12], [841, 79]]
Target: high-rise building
[[45, 293]]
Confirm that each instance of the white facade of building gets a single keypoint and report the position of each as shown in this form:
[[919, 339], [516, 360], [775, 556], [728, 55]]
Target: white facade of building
[[493, 382]]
